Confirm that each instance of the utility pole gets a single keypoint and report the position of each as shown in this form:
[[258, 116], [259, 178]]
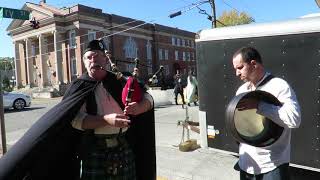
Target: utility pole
[[2, 126], [214, 18]]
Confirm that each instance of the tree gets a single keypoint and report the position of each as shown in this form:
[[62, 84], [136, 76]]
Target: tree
[[6, 63], [234, 18]]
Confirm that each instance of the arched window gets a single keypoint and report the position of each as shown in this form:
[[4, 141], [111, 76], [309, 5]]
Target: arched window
[[130, 48], [106, 41]]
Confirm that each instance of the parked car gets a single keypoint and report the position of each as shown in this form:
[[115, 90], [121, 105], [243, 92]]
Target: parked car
[[17, 101]]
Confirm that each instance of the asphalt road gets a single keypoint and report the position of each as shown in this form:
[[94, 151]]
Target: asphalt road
[[18, 122]]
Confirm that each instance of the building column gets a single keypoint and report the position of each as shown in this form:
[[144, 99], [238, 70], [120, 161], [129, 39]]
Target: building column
[[17, 63], [22, 64], [78, 54], [58, 56], [43, 62], [65, 65], [29, 63]]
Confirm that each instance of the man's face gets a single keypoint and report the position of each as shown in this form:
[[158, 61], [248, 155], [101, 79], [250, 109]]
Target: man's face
[[95, 63], [244, 70]]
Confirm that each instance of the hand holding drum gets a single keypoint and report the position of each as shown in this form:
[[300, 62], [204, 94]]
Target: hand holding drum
[[245, 125]]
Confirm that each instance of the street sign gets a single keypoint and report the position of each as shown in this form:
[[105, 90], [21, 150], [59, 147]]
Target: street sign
[[14, 13]]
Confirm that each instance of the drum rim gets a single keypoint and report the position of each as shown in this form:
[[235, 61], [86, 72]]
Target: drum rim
[[230, 125]]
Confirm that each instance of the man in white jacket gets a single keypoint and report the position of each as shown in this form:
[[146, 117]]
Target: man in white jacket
[[270, 162]]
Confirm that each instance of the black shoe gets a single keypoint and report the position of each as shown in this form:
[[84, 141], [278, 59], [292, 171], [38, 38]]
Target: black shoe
[[189, 104], [195, 103]]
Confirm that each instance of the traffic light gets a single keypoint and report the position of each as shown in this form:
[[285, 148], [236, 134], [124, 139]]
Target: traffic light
[[34, 23]]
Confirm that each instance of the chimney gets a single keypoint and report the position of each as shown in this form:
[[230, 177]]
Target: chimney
[[42, 2]]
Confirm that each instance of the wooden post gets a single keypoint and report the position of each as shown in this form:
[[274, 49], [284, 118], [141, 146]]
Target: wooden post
[[2, 126]]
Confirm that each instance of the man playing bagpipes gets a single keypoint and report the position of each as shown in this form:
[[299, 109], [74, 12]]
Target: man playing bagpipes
[[97, 124]]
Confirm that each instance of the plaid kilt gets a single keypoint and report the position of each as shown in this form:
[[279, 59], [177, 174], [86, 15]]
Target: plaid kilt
[[110, 158]]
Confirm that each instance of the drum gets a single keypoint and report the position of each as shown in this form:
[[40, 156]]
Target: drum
[[247, 126]]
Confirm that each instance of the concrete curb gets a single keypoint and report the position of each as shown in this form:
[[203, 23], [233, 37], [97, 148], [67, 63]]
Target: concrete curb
[[162, 97]]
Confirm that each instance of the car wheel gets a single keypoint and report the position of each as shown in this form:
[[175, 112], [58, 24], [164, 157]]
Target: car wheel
[[19, 104]]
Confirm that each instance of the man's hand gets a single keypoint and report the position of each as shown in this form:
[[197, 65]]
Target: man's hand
[[117, 120], [245, 104], [133, 108]]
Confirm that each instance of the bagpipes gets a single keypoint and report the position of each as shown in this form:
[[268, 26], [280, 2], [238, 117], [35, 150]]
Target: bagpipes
[[132, 91]]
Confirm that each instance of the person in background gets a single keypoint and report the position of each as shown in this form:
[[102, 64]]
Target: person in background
[[178, 88], [270, 162], [191, 89]]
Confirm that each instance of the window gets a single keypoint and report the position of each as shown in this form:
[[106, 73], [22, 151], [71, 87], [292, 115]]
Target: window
[[183, 56], [160, 54], [91, 35], [192, 56], [130, 67], [149, 57], [72, 39], [33, 50], [106, 41], [166, 69], [176, 54], [166, 54], [73, 66], [173, 41], [187, 42], [178, 42], [188, 56], [130, 48], [183, 42], [149, 52], [192, 44], [149, 69]]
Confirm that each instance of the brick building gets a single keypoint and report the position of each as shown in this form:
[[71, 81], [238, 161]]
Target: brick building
[[51, 56]]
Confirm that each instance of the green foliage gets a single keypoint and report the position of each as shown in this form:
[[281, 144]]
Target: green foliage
[[6, 63], [233, 18], [6, 84]]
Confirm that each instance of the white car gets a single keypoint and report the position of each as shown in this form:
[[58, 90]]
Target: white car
[[17, 101]]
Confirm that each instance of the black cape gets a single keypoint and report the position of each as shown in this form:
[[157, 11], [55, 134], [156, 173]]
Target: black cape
[[48, 150]]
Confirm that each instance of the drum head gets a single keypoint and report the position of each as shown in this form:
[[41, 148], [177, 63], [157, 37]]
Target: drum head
[[247, 126]]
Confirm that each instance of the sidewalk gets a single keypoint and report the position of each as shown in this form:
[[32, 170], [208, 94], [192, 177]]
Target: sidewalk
[[200, 164]]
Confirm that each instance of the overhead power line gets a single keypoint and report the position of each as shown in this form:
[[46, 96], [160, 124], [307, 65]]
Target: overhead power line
[[120, 25], [118, 32], [212, 17]]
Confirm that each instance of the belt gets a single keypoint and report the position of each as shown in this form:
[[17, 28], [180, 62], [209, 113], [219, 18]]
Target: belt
[[110, 140]]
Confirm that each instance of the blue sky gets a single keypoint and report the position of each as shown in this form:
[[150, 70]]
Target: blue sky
[[157, 11]]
